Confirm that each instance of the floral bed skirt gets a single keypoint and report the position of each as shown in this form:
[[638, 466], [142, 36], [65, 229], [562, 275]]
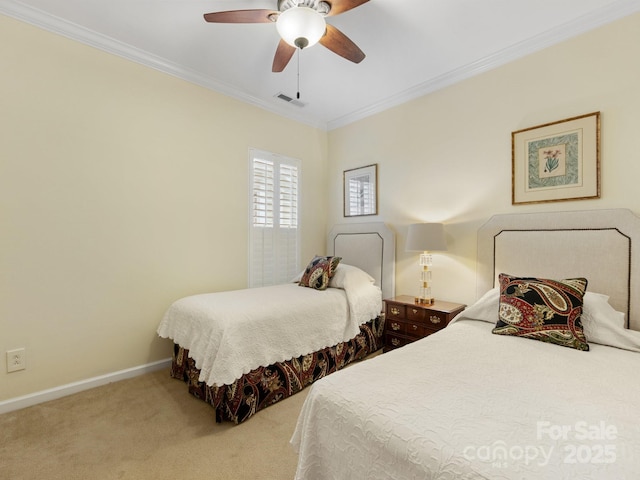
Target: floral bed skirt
[[265, 386]]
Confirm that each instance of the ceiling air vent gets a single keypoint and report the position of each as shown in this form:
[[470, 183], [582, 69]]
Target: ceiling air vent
[[290, 100]]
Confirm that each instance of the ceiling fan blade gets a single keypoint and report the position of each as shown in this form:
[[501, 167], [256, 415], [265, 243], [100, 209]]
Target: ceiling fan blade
[[240, 16], [282, 57], [339, 43], [339, 6]]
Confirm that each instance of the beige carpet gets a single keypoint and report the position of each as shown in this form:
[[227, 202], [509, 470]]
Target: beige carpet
[[148, 427]]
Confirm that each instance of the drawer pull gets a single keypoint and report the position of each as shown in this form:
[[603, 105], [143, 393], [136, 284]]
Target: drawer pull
[[434, 319], [395, 342], [395, 311], [414, 310], [415, 327], [395, 326]]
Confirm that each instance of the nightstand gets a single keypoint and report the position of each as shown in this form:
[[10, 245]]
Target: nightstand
[[407, 321]]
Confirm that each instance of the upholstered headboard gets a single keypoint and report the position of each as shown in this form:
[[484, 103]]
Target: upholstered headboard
[[370, 247], [595, 244]]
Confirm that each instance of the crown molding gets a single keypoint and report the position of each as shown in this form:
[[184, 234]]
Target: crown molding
[[107, 44], [551, 37]]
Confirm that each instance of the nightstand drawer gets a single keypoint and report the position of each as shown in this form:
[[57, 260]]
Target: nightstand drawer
[[435, 320], [396, 311], [395, 326], [415, 329], [391, 341], [415, 313], [431, 318]]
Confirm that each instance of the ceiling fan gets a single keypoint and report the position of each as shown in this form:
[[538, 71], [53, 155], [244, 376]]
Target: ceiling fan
[[300, 24]]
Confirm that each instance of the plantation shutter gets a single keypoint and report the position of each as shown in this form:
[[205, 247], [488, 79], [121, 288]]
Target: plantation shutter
[[361, 195], [274, 233]]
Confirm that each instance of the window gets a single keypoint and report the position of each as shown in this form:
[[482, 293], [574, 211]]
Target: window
[[274, 234], [361, 195]]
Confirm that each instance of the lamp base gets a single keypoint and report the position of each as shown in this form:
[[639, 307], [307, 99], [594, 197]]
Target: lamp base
[[424, 301]]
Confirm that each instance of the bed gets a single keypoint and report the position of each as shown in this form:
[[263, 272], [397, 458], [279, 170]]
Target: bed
[[241, 351], [466, 403]]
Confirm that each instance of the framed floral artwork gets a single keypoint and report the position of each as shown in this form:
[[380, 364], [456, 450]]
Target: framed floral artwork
[[556, 161]]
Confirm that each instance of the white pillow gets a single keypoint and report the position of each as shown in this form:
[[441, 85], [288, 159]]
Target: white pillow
[[349, 275], [485, 309], [597, 310], [604, 325]]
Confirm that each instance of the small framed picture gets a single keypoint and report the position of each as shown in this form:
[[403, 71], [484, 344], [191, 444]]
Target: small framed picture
[[556, 161], [360, 187]]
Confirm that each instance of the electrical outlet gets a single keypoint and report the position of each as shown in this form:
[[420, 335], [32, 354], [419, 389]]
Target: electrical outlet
[[16, 360]]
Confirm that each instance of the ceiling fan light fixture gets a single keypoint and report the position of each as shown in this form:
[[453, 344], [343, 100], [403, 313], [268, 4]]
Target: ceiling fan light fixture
[[301, 27]]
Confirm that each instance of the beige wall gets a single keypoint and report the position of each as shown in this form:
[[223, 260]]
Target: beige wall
[[119, 185], [447, 156], [121, 190]]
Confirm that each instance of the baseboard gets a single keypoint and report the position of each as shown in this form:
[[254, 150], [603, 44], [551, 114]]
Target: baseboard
[[75, 387]]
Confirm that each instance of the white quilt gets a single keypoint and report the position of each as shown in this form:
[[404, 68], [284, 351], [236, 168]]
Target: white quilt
[[231, 333], [467, 404]]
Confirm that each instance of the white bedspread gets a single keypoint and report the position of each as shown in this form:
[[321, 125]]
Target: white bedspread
[[466, 404], [231, 333]]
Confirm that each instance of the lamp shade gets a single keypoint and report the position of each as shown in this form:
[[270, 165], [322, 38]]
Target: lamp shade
[[301, 26], [423, 237]]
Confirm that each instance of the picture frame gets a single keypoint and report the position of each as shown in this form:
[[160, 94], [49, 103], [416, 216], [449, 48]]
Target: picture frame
[[360, 191], [556, 161]]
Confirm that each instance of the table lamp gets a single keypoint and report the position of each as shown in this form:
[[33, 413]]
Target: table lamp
[[425, 237]]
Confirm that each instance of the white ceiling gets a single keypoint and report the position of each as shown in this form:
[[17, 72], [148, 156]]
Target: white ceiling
[[413, 46]]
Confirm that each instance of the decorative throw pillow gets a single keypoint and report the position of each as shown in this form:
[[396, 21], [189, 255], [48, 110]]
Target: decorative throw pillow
[[541, 309], [319, 272]]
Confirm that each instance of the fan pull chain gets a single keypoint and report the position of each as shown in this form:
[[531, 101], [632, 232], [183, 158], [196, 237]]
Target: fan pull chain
[[298, 94]]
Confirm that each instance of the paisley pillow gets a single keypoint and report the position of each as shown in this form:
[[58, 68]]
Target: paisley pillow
[[319, 272], [542, 309]]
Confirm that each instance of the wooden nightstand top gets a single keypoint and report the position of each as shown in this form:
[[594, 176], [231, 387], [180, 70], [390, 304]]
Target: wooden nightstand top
[[437, 305]]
